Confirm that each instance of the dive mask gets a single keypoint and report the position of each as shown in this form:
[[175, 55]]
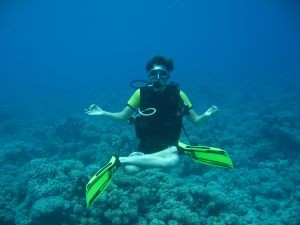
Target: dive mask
[[158, 76], [158, 73]]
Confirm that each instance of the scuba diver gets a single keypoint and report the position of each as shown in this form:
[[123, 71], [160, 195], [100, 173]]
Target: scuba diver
[[156, 110]]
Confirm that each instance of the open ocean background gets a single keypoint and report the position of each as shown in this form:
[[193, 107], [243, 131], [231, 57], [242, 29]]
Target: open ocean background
[[58, 57]]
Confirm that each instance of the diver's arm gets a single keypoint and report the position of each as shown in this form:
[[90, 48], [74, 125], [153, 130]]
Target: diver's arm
[[199, 119], [95, 110]]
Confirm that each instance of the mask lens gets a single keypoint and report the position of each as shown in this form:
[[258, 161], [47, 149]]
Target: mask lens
[[155, 73]]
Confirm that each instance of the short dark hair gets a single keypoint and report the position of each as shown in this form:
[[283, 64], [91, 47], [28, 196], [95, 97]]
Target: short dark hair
[[160, 60]]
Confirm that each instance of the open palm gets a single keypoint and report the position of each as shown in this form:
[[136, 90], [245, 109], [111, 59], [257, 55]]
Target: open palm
[[94, 110], [212, 110]]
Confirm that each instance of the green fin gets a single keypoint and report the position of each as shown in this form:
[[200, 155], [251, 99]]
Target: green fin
[[100, 181], [207, 155]]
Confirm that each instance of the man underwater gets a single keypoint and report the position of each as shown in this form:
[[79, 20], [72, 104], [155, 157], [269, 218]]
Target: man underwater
[[160, 108]]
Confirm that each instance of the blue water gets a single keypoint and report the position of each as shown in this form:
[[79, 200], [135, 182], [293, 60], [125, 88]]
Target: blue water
[[58, 57], [50, 47]]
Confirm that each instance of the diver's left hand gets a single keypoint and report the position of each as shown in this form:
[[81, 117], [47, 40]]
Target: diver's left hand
[[211, 111]]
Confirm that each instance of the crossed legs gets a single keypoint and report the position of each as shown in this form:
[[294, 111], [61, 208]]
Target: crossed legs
[[166, 158]]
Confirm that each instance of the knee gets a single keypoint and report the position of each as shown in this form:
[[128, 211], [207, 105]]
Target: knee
[[174, 160], [131, 169]]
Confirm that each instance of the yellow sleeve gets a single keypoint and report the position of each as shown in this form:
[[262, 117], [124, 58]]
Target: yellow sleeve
[[186, 99], [134, 101]]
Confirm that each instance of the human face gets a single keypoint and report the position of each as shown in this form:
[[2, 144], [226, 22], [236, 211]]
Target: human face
[[158, 76]]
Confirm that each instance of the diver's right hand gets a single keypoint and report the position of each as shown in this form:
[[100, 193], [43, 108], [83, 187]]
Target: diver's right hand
[[94, 110]]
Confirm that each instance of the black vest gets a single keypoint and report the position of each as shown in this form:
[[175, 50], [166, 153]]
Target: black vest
[[162, 129]]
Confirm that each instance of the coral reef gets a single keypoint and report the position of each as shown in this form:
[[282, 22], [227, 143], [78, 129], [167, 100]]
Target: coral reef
[[45, 167]]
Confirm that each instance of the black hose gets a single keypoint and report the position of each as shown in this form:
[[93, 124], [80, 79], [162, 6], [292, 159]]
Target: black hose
[[187, 136], [135, 83]]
